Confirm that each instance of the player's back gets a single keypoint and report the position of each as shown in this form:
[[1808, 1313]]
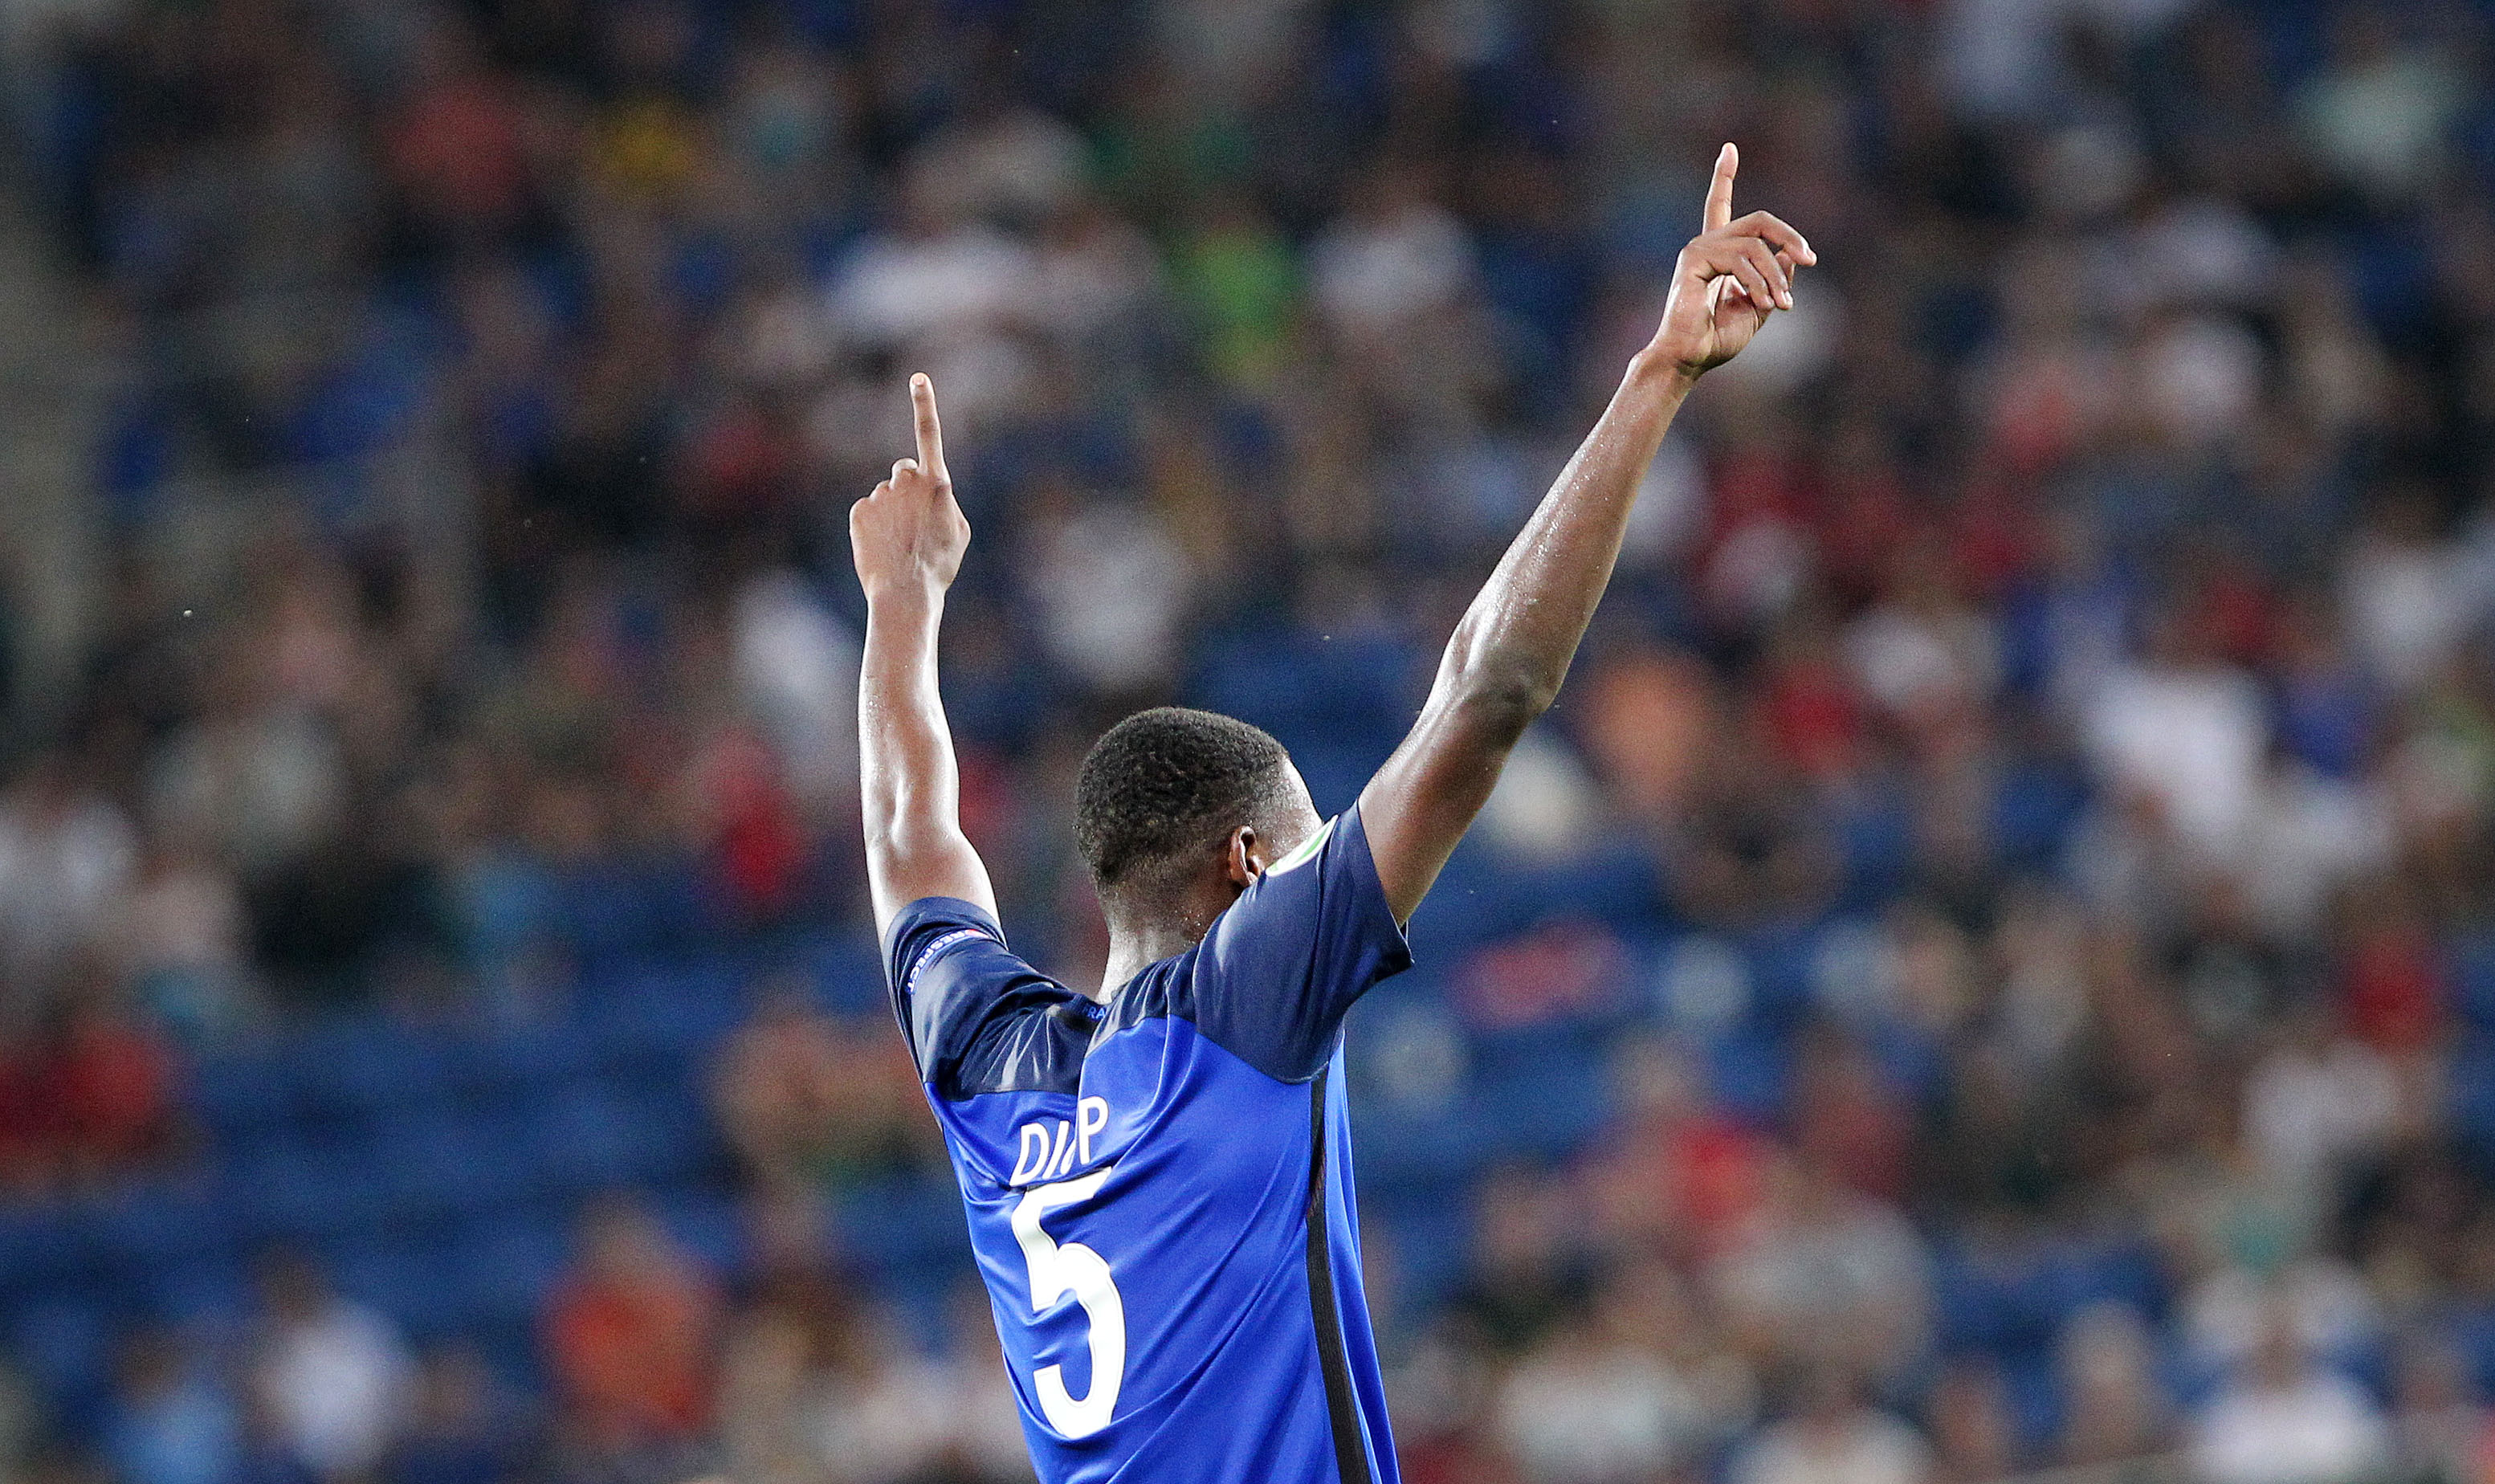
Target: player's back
[[1159, 1187]]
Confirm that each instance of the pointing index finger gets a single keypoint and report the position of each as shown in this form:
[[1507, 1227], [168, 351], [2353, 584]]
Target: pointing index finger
[[931, 431], [1719, 191]]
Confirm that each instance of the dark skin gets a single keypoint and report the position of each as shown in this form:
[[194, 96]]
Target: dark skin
[[1502, 668]]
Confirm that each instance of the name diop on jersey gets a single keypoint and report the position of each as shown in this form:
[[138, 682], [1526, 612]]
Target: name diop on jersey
[[1054, 1147]]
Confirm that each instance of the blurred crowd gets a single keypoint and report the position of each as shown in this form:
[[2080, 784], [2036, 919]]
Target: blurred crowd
[[2013, 874]]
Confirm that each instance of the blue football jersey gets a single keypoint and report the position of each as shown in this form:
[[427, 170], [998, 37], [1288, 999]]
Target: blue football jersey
[[1159, 1188]]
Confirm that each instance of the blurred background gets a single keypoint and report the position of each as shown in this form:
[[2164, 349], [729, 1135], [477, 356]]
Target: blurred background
[[1989, 969]]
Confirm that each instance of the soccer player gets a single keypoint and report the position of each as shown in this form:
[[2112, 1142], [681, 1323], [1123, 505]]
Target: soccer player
[[1157, 1171]]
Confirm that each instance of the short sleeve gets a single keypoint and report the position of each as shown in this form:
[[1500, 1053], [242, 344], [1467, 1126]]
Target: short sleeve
[[1278, 971], [975, 1015]]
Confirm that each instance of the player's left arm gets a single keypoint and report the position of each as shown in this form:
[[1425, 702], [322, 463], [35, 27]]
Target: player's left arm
[[1503, 667], [908, 538]]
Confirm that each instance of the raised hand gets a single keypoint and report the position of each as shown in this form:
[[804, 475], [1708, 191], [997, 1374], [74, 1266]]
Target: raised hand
[[910, 531], [1729, 279], [908, 538]]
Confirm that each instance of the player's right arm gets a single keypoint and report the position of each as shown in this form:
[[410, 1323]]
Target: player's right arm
[[908, 538], [1510, 652]]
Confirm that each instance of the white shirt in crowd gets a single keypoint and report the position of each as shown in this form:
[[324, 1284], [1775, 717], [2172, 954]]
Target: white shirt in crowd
[[1858, 1446], [2315, 1429], [335, 1385]]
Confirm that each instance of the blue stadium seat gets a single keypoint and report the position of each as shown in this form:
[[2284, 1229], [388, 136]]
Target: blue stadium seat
[[1471, 904], [1540, 1093], [617, 912], [709, 1225], [1397, 1151], [2472, 1327], [2033, 1384], [1986, 1302], [214, 1291], [38, 1248], [2472, 1097], [664, 1017], [2033, 813], [2014, 1303], [1747, 1072], [1335, 771], [513, 1353], [1617, 881], [411, 1277], [1427, 1238], [1782, 958], [236, 1094], [503, 1268], [671, 1129], [64, 1346], [156, 1225], [906, 1227], [1875, 840], [1302, 686], [368, 1068], [848, 971], [296, 1189], [579, 1138], [2473, 978], [443, 1165], [523, 1064]]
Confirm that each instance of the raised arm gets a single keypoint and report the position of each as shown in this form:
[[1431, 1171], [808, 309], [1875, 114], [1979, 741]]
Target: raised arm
[[1512, 648], [908, 538]]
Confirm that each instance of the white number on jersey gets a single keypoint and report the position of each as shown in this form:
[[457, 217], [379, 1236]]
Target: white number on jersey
[[1056, 1270]]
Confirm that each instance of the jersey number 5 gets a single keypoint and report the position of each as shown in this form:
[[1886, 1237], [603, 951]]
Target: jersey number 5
[[1057, 1269]]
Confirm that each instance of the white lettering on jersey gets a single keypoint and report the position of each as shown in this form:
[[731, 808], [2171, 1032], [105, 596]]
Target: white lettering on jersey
[[1091, 1116], [1042, 1153]]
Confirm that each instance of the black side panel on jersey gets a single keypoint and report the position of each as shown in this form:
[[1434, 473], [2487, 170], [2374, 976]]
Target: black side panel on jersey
[[1342, 1407]]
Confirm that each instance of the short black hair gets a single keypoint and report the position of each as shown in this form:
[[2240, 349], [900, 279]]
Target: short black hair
[[1165, 785]]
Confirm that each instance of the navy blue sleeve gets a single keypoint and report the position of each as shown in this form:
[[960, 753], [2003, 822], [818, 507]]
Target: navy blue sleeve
[[1275, 975], [978, 1019]]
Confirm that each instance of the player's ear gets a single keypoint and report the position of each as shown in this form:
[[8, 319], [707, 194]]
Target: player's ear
[[1246, 860]]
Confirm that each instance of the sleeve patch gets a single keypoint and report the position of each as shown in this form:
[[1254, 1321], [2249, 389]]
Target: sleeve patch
[[929, 954]]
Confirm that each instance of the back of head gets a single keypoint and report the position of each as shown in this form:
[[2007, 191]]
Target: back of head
[[1162, 790]]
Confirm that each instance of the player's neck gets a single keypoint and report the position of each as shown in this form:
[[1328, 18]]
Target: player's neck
[[1133, 951], [1142, 937]]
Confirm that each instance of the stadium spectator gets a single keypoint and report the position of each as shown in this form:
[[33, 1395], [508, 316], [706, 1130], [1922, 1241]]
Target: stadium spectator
[[2028, 795], [171, 1421], [2116, 1406], [87, 1097], [1824, 1276], [1678, 1177], [812, 1103], [1632, 1384], [67, 855], [631, 1335], [1968, 1420], [1830, 1436], [1531, 1263], [180, 935], [461, 1428], [2443, 1430], [332, 1376], [2286, 1419]]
